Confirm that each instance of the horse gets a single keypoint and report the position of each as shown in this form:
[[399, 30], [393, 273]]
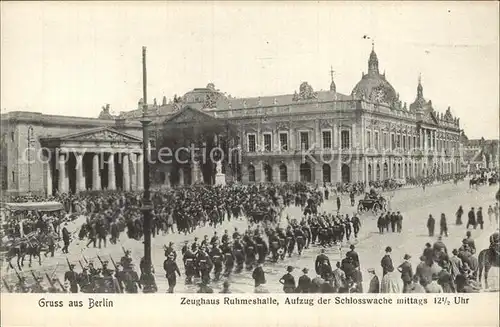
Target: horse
[[488, 258]]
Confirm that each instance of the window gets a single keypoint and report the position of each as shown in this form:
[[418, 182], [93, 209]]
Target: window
[[283, 173], [398, 141], [251, 143], [251, 173], [385, 141], [12, 136], [404, 142], [4, 177], [377, 141], [327, 139], [414, 142], [393, 142], [267, 142], [304, 140], [13, 177], [368, 139], [284, 141], [345, 140]]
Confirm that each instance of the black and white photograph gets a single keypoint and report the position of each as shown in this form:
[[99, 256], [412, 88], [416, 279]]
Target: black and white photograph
[[250, 147]]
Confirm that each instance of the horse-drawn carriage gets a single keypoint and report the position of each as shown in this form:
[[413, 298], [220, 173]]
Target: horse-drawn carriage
[[22, 236], [372, 201]]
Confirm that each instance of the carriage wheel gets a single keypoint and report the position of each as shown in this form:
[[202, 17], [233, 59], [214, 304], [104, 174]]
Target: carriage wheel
[[361, 208], [376, 208]]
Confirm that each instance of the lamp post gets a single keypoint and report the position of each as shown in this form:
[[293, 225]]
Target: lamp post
[[30, 141], [147, 206]]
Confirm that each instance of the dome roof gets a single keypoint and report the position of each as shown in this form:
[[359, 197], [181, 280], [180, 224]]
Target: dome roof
[[202, 95], [373, 86]]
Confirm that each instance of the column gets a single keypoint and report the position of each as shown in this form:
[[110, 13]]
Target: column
[[133, 171], [111, 172], [49, 175], [96, 173], [276, 173], [126, 172], [80, 181], [317, 137], [335, 138], [194, 172], [166, 182], [140, 172], [292, 139], [353, 136], [62, 174]]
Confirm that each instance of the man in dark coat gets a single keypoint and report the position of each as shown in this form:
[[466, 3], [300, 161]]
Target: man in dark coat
[[320, 261], [431, 222], [479, 218], [66, 238], [258, 275], [406, 273], [471, 219], [353, 255], [288, 281], [304, 282], [386, 261], [171, 269]]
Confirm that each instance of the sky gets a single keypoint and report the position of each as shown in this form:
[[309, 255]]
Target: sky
[[70, 59]]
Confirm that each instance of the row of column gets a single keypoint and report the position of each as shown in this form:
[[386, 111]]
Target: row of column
[[132, 177]]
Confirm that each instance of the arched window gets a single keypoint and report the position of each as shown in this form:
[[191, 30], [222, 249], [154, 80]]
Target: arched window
[[370, 172], [407, 172], [268, 173], [283, 173], [394, 171], [251, 173], [346, 173], [327, 175], [305, 172], [386, 171], [378, 172]]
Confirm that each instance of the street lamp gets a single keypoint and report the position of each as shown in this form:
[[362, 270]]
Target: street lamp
[[147, 278], [30, 141]]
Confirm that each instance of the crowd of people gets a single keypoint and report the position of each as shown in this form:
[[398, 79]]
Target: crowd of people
[[268, 239]]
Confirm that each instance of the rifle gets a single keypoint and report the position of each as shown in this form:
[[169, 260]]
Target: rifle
[[17, 274], [62, 286], [123, 249], [6, 285], [80, 262], [102, 263], [69, 266], [114, 263], [50, 280], [85, 259]]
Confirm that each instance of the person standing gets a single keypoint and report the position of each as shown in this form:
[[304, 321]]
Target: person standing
[[406, 273], [171, 269], [66, 238], [304, 282], [338, 203], [471, 221], [443, 226], [258, 275], [431, 222], [288, 281], [479, 218], [458, 215], [386, 261], [374, 282]]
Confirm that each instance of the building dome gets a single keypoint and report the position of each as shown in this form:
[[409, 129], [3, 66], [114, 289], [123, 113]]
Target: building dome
[[373, 86], [207, 96]]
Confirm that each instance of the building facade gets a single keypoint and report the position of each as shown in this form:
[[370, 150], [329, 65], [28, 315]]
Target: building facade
[[315, 137], [480, 154]]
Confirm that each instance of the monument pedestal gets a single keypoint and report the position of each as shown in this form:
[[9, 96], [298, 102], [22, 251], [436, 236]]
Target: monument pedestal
[[220, 179]]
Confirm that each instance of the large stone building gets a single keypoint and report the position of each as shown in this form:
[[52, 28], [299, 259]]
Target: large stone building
[[309, 136], [480, 154]]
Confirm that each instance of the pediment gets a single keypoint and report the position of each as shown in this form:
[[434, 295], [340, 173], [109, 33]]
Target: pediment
[[101, 134], [189, 115]]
